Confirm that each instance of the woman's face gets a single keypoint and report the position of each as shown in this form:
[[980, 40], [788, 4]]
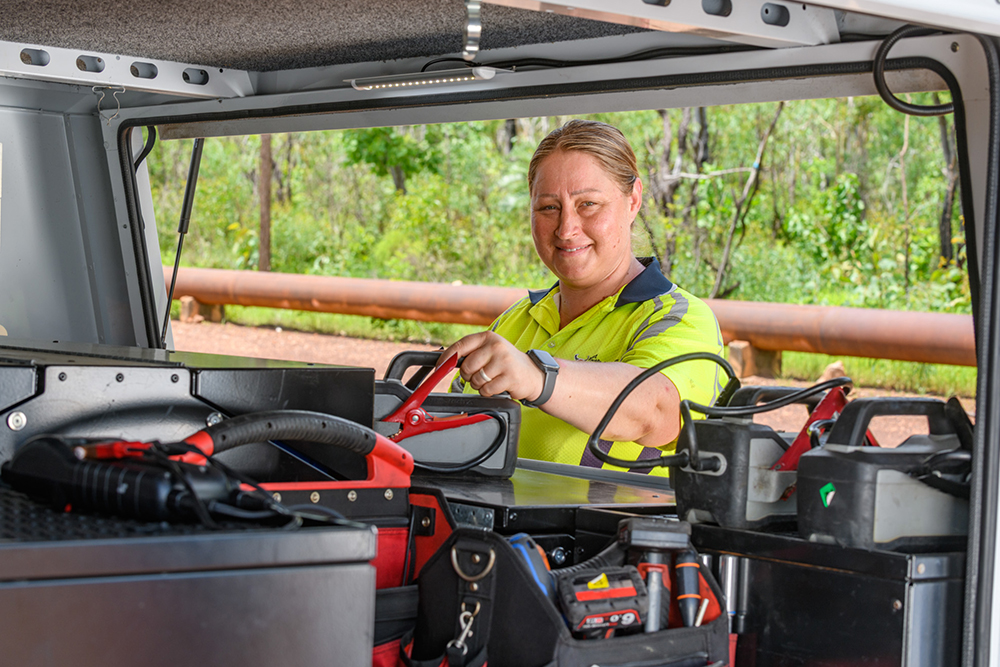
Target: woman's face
[[581, 221]]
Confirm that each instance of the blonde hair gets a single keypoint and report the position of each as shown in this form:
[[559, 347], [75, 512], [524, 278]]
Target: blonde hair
[[604, 142]]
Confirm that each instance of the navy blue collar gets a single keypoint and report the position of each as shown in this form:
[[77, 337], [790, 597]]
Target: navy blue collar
[[648, 284]]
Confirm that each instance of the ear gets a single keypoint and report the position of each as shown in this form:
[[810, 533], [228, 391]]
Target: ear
[[635, 199]]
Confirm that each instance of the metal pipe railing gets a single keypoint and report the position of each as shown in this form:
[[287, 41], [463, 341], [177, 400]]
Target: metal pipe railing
[[857, 332]]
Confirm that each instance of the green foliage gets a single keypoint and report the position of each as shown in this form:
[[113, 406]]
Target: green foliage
[[898, 375], [845, 212], [408, 150]]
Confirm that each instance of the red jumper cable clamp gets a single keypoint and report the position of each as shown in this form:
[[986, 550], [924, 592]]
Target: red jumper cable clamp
[[414, 420]]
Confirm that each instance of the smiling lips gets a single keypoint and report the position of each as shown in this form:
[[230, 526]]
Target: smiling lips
[[570, 251]]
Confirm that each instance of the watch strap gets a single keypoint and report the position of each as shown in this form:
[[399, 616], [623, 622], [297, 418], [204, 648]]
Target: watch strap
[[548, 366]]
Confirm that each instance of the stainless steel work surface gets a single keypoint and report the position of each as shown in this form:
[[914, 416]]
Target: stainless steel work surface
[[535, 488]]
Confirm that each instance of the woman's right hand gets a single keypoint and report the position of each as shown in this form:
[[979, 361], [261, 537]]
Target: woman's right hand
[[493, 365]]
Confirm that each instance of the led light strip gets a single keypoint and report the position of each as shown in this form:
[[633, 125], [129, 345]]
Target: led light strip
[[425, 78]]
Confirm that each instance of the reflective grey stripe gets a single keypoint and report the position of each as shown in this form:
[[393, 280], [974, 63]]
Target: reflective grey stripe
[[676, 314], [657, 307], [496, 322]]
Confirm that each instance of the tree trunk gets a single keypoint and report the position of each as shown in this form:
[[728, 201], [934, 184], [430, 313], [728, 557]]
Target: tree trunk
[[742, 204], [264, 191], [398, 178], [951, 179]]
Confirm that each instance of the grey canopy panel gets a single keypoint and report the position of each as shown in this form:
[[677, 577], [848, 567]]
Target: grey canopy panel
[[282, 34]]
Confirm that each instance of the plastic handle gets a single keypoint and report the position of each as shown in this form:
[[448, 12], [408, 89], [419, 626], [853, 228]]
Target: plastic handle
[[853, 422], [403, 360]]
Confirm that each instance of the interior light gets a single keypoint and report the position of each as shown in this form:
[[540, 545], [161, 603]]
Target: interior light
[[425, 78]]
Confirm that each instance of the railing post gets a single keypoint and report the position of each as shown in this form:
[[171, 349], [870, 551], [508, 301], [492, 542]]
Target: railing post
[[748, 360]]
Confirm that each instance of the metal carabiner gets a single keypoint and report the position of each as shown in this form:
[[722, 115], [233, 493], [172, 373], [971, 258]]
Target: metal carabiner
[[465, 619]]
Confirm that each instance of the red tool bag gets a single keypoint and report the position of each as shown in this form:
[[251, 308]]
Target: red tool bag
[[412, 522]]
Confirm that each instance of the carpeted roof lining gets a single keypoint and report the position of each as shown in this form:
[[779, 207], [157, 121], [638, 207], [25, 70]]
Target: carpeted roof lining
[[282, 34]]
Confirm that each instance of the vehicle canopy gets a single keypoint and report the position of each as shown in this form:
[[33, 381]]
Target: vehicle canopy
[[79, 82]]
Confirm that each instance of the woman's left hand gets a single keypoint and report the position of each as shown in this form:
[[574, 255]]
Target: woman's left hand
[[493, 365]]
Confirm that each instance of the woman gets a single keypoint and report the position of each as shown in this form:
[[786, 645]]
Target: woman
[[567, 352]]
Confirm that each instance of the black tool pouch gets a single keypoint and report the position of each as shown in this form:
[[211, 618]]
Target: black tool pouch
[[513, 624]]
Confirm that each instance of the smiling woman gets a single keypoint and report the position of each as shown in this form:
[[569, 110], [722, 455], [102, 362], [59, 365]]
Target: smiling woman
[[566, 352]]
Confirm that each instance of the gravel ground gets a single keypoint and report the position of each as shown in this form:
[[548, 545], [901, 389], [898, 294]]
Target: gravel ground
[[270, 343]]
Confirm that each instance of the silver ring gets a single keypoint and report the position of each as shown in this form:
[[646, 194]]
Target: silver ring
[[486, 378]]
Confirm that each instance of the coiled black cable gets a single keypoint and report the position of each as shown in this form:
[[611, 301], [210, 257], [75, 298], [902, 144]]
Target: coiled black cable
[[683, 458], [878, 70], [482, 458], [690, 457]]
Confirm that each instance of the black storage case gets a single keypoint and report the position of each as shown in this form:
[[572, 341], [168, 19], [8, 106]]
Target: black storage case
[[98, 391], [744, 493], [865, 497]]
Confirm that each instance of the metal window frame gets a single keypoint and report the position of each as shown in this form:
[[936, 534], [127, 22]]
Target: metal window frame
[[967, 62]]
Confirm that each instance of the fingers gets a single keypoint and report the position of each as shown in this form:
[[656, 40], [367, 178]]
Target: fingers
[[492, 365], [462, 347], [486, 358]]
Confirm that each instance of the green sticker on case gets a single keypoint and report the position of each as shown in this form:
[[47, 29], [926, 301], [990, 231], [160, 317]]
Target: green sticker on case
[[827, 493]]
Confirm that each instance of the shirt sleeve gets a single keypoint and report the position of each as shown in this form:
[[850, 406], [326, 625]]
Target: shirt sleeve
[[681, 324]]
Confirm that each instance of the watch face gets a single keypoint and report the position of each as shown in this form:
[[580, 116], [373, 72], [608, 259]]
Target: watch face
[[544, 359]]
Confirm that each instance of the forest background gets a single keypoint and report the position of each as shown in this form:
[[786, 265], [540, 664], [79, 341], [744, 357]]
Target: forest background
[[828, 202]]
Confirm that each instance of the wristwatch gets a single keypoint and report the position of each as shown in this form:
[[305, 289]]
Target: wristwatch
[[547, 365]]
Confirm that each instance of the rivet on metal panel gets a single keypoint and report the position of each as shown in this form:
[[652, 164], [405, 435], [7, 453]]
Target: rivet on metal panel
[[954, 45], [388, 494], [213, 418], [921, 568], [16, 421], [62, 377], [314, 496], [352, 495], [119, 377], [174, 377]]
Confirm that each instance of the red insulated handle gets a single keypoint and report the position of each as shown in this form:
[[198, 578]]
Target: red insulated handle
[[421, 393]]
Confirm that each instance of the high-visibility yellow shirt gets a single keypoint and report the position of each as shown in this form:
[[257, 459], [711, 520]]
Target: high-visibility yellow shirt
[[648, 321]]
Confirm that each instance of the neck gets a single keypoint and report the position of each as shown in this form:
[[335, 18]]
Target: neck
[[575, 302]]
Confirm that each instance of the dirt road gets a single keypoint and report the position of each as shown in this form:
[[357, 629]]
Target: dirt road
[[272, 343]]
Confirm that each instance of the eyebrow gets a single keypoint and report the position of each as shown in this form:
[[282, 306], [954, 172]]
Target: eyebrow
[[572, 194]]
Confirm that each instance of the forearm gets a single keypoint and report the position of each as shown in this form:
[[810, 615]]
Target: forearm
[[584, 391]]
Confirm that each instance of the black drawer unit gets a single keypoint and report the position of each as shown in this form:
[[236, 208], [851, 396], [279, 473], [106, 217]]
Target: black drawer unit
[[800, 603]]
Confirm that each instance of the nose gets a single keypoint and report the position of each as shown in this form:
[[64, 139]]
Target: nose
[[569, 223]]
